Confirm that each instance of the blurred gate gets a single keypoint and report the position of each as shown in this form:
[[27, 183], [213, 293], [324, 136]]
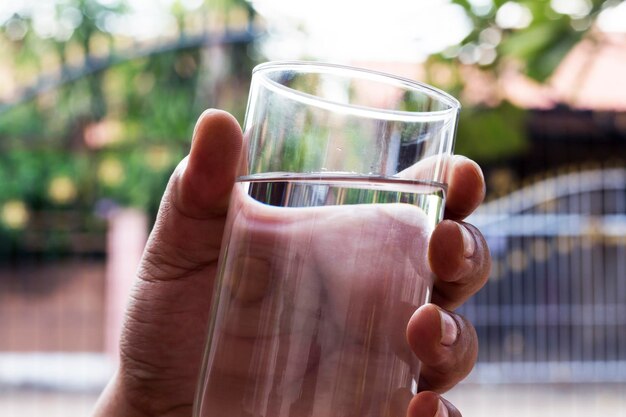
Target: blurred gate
[[554, 309]]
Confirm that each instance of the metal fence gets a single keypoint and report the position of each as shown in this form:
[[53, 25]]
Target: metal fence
[[554, 309]]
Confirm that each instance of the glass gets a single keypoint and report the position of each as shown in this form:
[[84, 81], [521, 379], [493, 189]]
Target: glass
[[324, 257]]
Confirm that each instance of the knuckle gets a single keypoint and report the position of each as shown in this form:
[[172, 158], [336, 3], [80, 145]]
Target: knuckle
[[169, 263]]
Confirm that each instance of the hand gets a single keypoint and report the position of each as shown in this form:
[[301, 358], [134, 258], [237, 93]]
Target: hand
[[164, 335]]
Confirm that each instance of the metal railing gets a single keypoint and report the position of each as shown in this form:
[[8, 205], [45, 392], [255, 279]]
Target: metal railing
[[554, 309]]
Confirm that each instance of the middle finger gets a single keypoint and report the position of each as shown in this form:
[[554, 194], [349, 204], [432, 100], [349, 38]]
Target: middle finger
[[459, 257]]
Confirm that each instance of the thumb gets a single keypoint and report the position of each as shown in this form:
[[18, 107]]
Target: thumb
[[209, 174], [212, 165], [188, 229], [161, 344]]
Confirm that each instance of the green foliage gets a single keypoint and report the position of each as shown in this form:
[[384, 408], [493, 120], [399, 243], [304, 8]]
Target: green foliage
[[109, 138], [541, 45], [21, 126], [486, 134]]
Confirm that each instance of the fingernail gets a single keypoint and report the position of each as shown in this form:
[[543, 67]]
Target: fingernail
[[449, 329], [442, 410], [469, 245]]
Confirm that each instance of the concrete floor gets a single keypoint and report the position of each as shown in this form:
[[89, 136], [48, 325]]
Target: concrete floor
[[45, 404], [546, 400], [473, 400]]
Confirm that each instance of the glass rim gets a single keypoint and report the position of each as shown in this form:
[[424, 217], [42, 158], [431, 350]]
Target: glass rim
[[367, 74]]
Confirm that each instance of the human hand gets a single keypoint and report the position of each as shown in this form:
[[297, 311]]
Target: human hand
[[164, 334]]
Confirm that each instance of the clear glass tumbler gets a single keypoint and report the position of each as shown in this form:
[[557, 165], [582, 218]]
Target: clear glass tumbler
[[324, 257]]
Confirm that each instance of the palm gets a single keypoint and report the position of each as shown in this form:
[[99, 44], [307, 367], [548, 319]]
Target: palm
[[310, 295]]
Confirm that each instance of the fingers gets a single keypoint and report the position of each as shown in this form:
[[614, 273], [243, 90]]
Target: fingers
[[466, 183], [466, 188], [446, 345], [459, 257], [208, 178], [163, 335], [188, 230], [430, 404], [424, 404]]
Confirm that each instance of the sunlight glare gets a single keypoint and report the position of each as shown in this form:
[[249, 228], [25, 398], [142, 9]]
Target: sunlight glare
[[399, 30], [513, 15], [613, 19]]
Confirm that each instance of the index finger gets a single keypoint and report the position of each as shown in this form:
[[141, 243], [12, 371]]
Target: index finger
[[466, 188], [466, 183]]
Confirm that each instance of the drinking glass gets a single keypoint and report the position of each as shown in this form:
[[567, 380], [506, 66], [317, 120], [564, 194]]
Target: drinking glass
[[324, 255]]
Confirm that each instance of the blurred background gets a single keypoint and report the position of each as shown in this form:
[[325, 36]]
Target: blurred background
[[98, 99]]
